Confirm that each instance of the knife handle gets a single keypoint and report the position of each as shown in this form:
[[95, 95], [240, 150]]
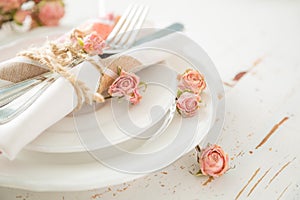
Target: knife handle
[[161, 33]]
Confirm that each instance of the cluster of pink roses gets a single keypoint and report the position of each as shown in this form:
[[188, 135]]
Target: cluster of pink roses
[[40, 12], [126, 85], [191, 84]]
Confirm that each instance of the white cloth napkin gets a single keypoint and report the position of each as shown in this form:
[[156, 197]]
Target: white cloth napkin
[[54, 104]]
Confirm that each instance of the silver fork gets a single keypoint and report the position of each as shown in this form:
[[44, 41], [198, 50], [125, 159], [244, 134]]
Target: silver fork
[[125, 32], [17, 97]]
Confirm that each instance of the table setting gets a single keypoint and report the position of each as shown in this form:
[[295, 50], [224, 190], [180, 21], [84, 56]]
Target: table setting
[[107, 105]]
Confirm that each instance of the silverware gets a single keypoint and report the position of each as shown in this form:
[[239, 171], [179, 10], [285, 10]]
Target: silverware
[[12, 91], [14, 104], [159, 34], [125, 32], [20, 104]]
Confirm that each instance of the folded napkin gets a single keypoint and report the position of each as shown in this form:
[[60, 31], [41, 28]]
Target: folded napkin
[[56, 102]]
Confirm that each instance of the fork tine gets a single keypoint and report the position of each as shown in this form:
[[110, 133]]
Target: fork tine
[[136, 28], [131, 26], [119, 25], [124, 28]]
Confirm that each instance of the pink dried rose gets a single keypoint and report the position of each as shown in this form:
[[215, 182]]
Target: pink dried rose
[[50, 12], [188, 104], [192, 81], [213, 161], [93, 44], [126, 85], [8, 5]]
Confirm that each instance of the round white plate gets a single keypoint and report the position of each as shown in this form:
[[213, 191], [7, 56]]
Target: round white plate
[[95, 169]]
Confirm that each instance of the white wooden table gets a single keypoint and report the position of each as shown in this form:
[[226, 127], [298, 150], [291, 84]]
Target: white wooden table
[[259, 41]]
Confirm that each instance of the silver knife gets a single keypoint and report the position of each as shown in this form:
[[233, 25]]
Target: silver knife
[[161, 33], [158, 34]]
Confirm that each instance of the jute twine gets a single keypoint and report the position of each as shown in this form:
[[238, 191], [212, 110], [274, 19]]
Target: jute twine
[[60, 58]]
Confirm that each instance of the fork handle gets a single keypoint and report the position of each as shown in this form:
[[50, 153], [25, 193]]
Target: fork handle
[[12, 91], [16, 107]]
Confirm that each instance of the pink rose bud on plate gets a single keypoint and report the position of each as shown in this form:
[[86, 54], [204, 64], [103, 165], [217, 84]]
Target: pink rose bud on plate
[[213, 161], [126, 85], [50, 12], [188, 104], [192, 81], [93, 44]]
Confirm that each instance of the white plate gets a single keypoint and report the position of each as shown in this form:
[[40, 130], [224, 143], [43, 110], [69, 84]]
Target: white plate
[[82, 171]]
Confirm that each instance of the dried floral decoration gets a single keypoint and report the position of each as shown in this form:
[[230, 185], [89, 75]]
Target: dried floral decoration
[[190, 86]]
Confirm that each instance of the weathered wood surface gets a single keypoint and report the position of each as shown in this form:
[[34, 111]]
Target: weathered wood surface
[[255, 46]]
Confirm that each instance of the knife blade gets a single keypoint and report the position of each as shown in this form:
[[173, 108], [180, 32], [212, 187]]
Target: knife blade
[[152, 36], [159, 34]]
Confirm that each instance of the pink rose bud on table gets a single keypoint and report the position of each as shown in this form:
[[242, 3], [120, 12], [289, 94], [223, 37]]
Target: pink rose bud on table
[[188, 104], [50, 12], [192, 81], [213, 161]]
